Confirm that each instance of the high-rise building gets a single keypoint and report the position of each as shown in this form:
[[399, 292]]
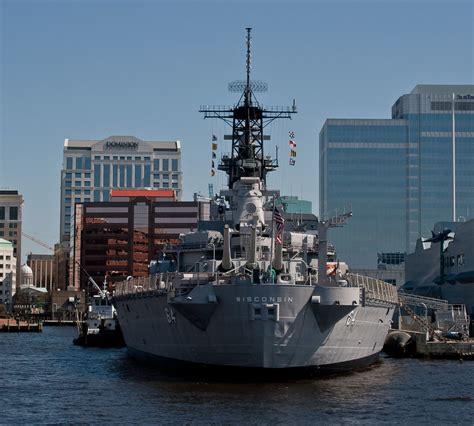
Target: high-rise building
[[119, 237], [43, 267], [91, 168], [397, 174], [7, 272], [11, 203]]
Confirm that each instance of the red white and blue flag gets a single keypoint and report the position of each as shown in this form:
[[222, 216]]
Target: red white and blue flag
[[280, 225]]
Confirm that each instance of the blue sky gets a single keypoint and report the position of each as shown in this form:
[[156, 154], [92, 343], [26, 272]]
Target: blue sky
[[91, 69]]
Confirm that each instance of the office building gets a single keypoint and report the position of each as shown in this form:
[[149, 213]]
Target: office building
[[118, 238], [43, 267], [7, 272], [91, 168], [11, 203], [397, 174], [292, 204]]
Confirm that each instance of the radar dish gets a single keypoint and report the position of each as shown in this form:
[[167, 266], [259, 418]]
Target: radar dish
[[255, 86]]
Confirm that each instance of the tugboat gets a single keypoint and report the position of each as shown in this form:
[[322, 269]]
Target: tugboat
[[245, 295], [100, 328]]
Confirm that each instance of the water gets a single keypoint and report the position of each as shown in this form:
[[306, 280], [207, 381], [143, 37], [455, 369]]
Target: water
[[44, 378]]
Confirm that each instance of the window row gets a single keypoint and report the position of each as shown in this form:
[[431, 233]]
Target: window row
[[13, 211]]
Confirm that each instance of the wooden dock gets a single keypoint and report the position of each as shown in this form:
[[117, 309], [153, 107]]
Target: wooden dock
[[58, 322], [11, 325]]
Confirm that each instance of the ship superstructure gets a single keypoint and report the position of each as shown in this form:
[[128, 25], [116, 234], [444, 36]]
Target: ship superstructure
[[246, 293]]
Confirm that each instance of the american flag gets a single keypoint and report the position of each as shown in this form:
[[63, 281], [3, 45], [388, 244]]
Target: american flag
[[280, 225]]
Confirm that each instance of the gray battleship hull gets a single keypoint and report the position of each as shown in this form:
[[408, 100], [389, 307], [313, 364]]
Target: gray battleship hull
[[254, 326]]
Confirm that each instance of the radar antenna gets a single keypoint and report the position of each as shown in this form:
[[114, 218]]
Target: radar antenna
[[248, 119]]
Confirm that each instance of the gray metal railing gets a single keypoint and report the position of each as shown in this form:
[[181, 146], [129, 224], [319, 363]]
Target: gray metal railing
[[374, 289]]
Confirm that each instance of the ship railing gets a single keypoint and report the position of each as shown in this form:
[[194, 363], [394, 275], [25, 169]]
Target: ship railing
[[161, 281], [422, 301], [374, 290]]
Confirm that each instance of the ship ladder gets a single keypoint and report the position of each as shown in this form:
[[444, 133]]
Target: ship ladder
[[427, 327]]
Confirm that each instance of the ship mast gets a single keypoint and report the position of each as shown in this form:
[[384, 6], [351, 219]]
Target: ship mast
[[248, 119]]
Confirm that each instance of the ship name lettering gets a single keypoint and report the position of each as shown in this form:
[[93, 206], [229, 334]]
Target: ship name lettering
[[264, 299]]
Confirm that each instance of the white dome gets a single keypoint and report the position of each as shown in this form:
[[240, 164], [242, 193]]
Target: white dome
[[26, 272]]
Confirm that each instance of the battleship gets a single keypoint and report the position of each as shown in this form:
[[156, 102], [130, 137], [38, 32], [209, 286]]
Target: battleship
[[442, 266], [242, 293]]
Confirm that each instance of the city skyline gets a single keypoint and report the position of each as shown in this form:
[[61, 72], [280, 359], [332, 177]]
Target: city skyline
[[91, 70]]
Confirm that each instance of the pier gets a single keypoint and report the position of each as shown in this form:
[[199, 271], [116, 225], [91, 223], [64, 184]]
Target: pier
[[11, 325], [446, 337]]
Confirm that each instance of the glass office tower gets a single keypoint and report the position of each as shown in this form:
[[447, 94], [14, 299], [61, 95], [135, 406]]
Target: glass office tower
[[398, 173]]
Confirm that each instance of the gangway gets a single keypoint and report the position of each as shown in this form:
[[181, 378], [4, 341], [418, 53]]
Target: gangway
[[421, 301]]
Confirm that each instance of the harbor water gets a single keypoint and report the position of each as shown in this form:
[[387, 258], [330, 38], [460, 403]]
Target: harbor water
[[44, 378]]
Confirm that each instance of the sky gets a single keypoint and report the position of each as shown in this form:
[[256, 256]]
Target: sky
[[94, 68]]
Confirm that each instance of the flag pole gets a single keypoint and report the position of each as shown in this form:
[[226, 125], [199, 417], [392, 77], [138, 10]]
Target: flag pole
[[273, 241], [454, 153]]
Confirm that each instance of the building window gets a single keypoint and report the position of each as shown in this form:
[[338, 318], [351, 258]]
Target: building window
[[13, 213], [96, 195], [87, 191], [166, 176], [122, 176], [156, 184], [115, 157], [146, 177], [87, 183], [97, 157], [87, 164], [129, 175], [68, 184], [156, 165], [174, 165], [87, 175], [78, 175], [68, 175], [175, 177], [156, 176], [166, 164], [138, 158], [166, 185], [138, 175], [97, 175], [79, 163], [77, 183], [115, 175], [77, 200], [146, 158], [175, 185], [68, 200], [77, 191], [106, 175], [68, 192], [2, 213], [129, 158], [106, 157], [69, 163]]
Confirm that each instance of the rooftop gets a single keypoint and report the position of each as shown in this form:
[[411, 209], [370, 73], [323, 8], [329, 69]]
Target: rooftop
[[460, 89]]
